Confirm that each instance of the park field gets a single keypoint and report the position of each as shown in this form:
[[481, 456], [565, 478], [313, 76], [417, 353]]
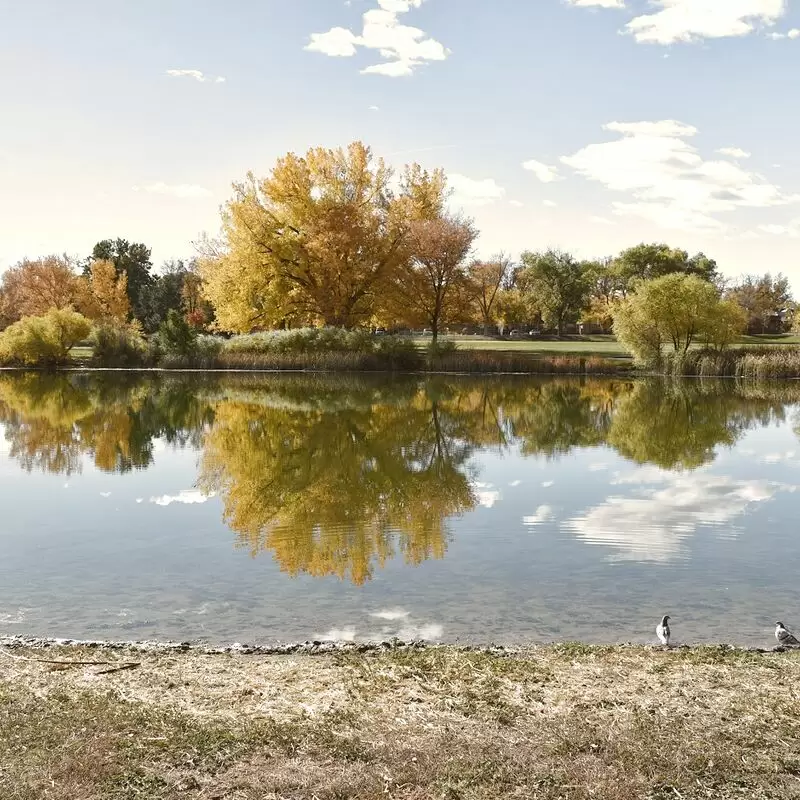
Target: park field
[[600, 346], [564, 721]]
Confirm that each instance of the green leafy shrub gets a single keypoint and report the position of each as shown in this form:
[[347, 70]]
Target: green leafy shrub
[[117, 346], [43, 340], [177, 338]]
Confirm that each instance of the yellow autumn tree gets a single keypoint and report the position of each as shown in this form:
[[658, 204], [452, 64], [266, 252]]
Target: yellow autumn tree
[[315, 242], [431, 285], [336, 487], [104, 295], [32, 288]]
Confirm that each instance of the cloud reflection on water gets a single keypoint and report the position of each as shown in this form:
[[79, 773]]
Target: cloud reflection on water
[[654, 523]]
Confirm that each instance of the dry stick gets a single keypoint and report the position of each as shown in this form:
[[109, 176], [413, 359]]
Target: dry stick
[[126, 665]]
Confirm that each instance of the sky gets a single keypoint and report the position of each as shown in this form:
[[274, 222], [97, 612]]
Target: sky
[[587, 125]]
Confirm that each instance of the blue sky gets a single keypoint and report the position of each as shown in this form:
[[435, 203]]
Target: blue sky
[[584, 124]]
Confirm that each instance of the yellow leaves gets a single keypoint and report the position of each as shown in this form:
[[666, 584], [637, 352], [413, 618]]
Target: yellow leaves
[[32, 288], [104, 295], [317, 241]]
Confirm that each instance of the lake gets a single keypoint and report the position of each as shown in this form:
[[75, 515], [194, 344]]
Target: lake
[[265, 508]]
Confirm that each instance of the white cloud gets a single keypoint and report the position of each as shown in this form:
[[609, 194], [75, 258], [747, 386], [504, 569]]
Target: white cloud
[[601, 220], [794, 33], [471, 192], [487, 496], [597, 3], [374, 108], [544, 172], [337, 42], [182, 190], [792, 228], [547, 484], [516, 203], [667, 180], [542, 514], [733, 152], [403, 48], [200, 77], [550, 203], [185, 496], [695, 20], [654, 525]]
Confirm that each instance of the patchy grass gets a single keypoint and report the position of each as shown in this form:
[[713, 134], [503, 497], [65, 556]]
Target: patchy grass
[[560, 722]]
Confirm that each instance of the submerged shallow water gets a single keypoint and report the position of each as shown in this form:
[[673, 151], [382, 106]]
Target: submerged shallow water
[[293, 507]]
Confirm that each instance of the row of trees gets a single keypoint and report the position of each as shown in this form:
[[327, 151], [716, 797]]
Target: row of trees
[[331, 239], [326, 239], [115, 285]]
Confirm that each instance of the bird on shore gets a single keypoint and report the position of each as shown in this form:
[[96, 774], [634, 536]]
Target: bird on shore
[[662, 630], [785, 638]]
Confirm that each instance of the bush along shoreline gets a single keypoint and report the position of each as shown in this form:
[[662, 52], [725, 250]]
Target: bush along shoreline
[[48, 342]]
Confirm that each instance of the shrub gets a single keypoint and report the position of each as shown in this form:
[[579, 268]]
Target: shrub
[[322, 349], [43, 340], [120, 346], [177, 338]]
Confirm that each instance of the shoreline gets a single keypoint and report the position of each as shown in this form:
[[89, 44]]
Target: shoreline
[[333, 647], [410, 723]]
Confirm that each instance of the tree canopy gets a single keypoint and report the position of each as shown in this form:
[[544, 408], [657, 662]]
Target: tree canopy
[[677, 310], [315, 241]]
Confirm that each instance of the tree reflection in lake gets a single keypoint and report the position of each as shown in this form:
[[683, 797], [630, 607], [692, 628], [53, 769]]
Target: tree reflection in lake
[[334, 475]]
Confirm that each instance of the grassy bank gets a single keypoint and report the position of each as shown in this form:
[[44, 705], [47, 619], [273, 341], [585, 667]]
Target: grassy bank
[[557, 722]]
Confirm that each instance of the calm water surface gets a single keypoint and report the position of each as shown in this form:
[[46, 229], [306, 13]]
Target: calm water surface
[[266, 508]]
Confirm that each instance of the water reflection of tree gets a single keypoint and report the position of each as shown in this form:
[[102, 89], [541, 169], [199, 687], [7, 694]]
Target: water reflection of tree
[[52, 421], [681, 424], [336, 475], [336, 490]]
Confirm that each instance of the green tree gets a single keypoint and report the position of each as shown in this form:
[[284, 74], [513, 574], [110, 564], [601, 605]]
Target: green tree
[[675, 309], [131, 260], [726, 322], [176, 336], [556, 283], [645, 262]]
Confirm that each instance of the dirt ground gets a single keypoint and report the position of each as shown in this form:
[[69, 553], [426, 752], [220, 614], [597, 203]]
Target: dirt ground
[[565, 721]]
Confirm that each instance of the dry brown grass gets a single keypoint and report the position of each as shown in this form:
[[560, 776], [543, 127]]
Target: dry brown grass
[[557, 722]]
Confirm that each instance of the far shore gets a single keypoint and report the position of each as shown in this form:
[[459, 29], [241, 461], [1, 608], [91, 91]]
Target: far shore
[[407, 721]]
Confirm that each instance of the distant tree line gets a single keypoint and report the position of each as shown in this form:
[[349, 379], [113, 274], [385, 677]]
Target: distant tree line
[[332, 239]]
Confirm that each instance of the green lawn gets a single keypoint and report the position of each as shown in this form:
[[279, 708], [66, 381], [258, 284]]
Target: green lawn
[[599, 345]]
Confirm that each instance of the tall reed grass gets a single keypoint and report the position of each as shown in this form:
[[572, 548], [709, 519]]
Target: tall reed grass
[[749, 363]]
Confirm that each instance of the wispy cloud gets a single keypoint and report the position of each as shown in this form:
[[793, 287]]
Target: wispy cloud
[[472, 192], [544, 172], [195, 74], [691, 20], [182, 190], [734, 152], [597, 3], [403, 47], [667, 179]]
